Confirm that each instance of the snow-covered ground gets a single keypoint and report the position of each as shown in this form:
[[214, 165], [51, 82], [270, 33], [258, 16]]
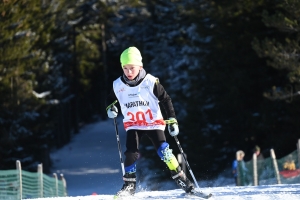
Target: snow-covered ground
[[91, 166], [273, 192]]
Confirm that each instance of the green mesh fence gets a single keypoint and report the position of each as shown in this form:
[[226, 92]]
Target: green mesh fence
[[266, 173], [9, 182], [29, 185]]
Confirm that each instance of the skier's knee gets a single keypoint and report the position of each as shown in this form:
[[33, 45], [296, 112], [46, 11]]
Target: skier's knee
[[132, 155], [167, 156]]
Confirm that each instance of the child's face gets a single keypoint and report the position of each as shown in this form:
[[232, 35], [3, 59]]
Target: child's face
[[131, 71]]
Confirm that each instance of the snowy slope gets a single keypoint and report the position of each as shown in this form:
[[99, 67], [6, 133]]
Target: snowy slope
[[90, 162], [273, 192], [91, 165]]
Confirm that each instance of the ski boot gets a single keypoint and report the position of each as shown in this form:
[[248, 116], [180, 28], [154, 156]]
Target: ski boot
[[182, 181], [129, 185]]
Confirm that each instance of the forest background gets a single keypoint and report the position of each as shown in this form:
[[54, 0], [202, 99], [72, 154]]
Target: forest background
[[231, 68]]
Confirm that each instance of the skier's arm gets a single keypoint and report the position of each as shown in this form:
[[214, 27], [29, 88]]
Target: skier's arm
[[110, 98], [164, 100], [234, 167]]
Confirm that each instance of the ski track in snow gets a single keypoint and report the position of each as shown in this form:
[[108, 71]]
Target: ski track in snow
[[271, 192], [91, 165]]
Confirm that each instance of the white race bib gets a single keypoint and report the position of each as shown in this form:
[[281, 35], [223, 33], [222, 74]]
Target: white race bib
[[139, 105]]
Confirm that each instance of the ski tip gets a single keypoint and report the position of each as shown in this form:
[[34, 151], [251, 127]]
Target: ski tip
[[129, 197], [123, 196], [205, 196], [201, 194]]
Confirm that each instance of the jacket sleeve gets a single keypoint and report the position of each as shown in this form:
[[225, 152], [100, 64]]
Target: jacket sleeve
[[110, 98], [165, 101], [234, 165]]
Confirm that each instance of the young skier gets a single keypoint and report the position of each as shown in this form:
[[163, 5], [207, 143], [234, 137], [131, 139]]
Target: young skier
[[139, 95]]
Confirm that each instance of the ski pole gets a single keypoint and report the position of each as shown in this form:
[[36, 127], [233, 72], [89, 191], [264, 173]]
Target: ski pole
[[118, 138], [183, 155]]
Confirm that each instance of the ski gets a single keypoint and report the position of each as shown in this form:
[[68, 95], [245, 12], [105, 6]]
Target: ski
[[124, 195], [121, 196], [193, 193], [200, 194]]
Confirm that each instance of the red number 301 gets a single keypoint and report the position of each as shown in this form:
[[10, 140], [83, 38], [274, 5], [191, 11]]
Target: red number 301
[[140, 116]]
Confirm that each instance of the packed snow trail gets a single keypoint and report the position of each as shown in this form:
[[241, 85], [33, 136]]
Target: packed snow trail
[[91, 165], [90, 162], [270, 192]]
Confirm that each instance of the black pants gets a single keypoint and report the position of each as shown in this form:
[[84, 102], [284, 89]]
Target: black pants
[[157, 137]]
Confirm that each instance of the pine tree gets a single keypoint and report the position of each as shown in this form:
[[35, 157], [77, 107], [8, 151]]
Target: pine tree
[[21, 57], [281, 49], [226, 104]]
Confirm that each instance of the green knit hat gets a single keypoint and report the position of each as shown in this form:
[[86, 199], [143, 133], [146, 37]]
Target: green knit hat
[[131, 56]]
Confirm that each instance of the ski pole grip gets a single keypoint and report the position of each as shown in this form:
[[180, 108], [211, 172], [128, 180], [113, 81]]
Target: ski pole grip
[[111, 105], [171, 121]]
